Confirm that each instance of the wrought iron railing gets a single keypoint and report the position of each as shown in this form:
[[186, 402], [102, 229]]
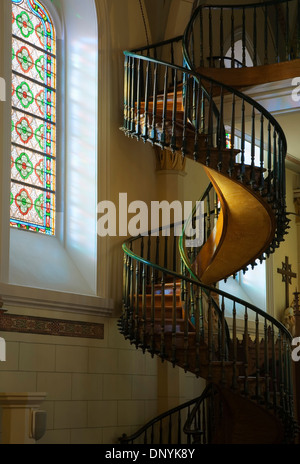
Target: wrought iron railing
[[192, 422], [218, 126], [269, 31], [254, 359], [169, 104]]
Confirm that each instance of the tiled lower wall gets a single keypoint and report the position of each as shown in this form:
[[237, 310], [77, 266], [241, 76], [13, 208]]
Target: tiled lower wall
[[97, 389]]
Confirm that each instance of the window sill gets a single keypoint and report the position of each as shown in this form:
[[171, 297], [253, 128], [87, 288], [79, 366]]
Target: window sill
[[40, 299]]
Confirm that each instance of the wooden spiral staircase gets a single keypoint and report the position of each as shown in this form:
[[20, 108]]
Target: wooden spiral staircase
[[173, 307]]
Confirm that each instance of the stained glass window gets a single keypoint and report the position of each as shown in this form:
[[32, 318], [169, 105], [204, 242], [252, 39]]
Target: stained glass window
[[228, 140], [33, 128]]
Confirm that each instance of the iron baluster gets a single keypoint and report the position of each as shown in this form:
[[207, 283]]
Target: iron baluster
[[154, 109], [277, 34], [221, 38], [274, 369], [223, 343], [254, 37], [125, 92], [186, 326], [137, 305], [269, 163], [152, 314], [174, 322], [132, 306], [146, 104], [266, 60], [163, 319], [261, 181], [210, 40], [201, 39], [164, 114], [244, 38], [138, 102], [275, 169], [234, 338], [242, 172], [257, 359], [157, 255], [280, 372], [221, 132], [246, 352], [232, 39], [174, 253], [252, 176], [287, 33], [198, 332], [148, 257], [266, 364], [132, 105], [210, 338], [210, 125], [144, 308], [174, 114], [232, 137], [185, 114], [166, 252]]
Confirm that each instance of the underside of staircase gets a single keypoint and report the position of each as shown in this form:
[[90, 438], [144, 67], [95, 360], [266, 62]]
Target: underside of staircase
[[173, 307]]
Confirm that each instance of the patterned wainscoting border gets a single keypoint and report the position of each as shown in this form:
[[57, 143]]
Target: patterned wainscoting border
[[45, 326]]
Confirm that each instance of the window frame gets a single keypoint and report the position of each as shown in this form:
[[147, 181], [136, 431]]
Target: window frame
[[48, 197], [92, 296]]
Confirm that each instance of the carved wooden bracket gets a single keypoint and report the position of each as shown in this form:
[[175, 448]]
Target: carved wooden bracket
[[168, 161]]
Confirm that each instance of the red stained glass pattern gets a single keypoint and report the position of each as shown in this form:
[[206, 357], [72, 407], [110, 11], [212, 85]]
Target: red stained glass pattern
[[33, 130]]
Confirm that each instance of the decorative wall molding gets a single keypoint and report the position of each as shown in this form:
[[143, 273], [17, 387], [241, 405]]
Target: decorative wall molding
[[46, 326]]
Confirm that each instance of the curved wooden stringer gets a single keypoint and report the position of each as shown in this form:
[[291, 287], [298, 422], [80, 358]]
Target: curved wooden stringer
[[244, 230]]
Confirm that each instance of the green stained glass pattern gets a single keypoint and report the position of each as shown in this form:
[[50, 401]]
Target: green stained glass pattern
[[30, 96], [33, 63], [33, 129], [24, 24], [30, 207], [32, 167]]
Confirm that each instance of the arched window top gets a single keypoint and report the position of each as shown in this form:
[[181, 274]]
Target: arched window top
[[238, 56], [33, 139]]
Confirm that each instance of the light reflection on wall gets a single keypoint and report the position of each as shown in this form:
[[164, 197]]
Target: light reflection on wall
[[81, 127], [250, 286]]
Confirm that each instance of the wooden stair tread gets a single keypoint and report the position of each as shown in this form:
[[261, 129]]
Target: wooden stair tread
[[252, 76]]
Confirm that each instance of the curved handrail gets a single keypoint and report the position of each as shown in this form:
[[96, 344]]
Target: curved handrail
[[126, 439], [215, 82], [240, 5], [158, 44], [225, 295]]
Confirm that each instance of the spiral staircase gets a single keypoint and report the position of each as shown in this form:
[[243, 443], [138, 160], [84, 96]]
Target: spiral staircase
[[177, 97]]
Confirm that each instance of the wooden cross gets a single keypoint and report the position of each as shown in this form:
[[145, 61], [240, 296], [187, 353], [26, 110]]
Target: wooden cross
[[287, 276]]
